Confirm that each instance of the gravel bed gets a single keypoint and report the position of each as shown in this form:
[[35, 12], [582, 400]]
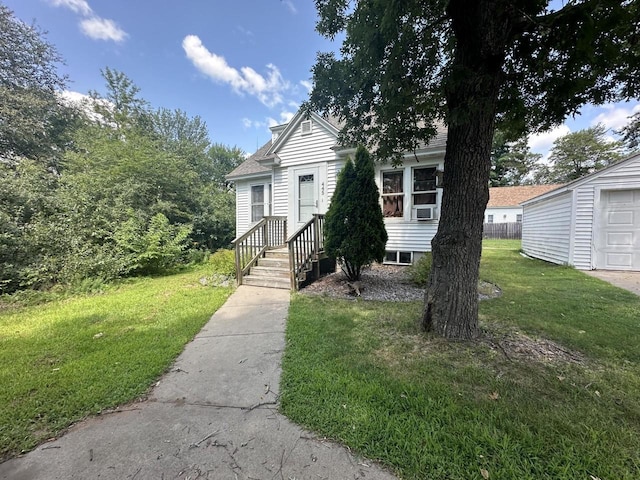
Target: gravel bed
[[378, 282]]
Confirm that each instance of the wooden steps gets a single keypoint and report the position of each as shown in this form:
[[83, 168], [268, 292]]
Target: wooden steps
[[271, 271]]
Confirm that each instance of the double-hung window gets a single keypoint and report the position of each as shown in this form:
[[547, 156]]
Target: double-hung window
[[260, 201], [393, 193], [424, 195]]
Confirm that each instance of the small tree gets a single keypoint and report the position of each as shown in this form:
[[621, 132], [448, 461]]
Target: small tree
[[354, 226]]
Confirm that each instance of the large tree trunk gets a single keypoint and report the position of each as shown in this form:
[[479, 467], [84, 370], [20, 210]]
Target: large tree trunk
[[451, 299]]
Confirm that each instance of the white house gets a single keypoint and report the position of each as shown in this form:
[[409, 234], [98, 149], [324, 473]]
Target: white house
[[294, 176], [504, 204], [592, 223]]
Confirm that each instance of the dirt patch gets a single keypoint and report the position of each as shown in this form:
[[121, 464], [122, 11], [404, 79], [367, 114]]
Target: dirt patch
[[518, 346]]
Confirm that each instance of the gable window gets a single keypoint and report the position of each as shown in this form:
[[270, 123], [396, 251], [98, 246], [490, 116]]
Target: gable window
[[260, 203], [392, 193]]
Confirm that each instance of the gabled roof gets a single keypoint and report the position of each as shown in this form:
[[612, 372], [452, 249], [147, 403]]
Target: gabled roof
[[250, 167], [327, 123], [514, 196], [587, 178]]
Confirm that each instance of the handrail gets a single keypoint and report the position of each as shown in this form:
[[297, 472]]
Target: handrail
[[269, 232], [305, 247]]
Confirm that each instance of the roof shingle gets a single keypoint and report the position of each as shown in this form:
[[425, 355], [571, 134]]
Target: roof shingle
[[514, 196]]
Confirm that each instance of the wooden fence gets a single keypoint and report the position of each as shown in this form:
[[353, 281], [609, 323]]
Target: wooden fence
[[511, 231]]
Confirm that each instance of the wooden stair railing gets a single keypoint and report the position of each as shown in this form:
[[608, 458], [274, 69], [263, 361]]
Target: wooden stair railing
[[270, 232], [306, 246]]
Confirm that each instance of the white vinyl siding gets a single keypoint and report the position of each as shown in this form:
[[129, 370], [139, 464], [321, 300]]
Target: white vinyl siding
[[280, 192], [546, 230], [301, 149], [583, 227], [243, 209], [410, 236]]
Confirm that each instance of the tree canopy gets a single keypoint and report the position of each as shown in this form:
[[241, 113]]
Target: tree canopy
[[34, 118], [580, 153], [112, 188], [520, 65]]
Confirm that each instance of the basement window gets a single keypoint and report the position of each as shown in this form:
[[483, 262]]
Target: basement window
[[397, 257]]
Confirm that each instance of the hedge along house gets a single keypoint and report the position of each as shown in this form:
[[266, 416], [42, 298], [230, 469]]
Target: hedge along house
[[284, 189], [592, 223]]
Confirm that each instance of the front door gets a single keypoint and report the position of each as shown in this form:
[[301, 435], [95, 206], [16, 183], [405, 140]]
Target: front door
[[306, 188]]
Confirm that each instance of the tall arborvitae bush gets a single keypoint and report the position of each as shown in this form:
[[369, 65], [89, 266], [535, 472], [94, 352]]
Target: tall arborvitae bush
[[354, 225]]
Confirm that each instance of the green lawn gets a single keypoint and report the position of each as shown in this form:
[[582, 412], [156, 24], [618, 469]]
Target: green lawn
[[361, 373], [67, 359]]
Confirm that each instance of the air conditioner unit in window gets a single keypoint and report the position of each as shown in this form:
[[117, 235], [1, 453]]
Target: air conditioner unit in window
[[425, 213]]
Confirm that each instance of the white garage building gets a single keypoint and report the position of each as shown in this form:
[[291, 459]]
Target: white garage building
[[592, 223]]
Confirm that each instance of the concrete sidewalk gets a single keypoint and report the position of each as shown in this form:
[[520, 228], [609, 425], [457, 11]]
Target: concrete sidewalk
[[212, 417]]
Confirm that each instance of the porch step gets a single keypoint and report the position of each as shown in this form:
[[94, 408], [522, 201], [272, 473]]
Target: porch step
[[262, 271], [279, 253], [264, 281], [271, 262]]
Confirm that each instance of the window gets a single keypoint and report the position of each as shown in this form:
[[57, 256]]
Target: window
[[260, 204], [305, 127], [519, 218], [400, 258], [489, 218], [424, 186], [392, 193]]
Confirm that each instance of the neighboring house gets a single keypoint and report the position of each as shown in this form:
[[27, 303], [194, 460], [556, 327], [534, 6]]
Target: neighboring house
[[504, 202], [294, 176], [592, 223]]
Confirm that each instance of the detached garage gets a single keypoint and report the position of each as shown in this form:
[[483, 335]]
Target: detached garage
[[592, 223]]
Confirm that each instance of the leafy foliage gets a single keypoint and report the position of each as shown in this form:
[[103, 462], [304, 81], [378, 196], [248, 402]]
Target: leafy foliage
[[118, 190], [420, 270], [511, 162], [354, 225], [35, 122], [579, 153]]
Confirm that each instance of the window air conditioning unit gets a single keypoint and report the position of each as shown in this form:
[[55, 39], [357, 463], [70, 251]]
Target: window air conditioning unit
[[425, 213]]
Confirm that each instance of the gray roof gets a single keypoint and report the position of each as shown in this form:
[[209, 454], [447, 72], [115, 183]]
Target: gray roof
[[250, 166]]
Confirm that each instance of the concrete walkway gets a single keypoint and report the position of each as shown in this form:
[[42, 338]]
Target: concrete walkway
[[623, 279], [212, 417]]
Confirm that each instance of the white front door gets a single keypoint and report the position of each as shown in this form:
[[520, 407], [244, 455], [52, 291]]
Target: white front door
[[306, 194], [618, 238]]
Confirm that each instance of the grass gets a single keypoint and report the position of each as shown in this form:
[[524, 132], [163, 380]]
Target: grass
[[361, 373], [77, 356]]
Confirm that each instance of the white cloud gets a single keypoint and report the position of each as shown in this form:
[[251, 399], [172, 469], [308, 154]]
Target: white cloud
[[307, 84], [285, 117], [542, 142], [102, 29], [289, 4], [615, 117], [268, 88], [78, 6], [92, 26]]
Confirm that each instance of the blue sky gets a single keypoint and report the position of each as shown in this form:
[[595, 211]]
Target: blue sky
[[241, 65]]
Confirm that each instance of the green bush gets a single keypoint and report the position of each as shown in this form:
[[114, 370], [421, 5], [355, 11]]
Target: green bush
[[419, 271], [223, 262]]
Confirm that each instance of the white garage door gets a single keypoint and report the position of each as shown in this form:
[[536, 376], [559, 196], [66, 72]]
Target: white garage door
[[618, 246]]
